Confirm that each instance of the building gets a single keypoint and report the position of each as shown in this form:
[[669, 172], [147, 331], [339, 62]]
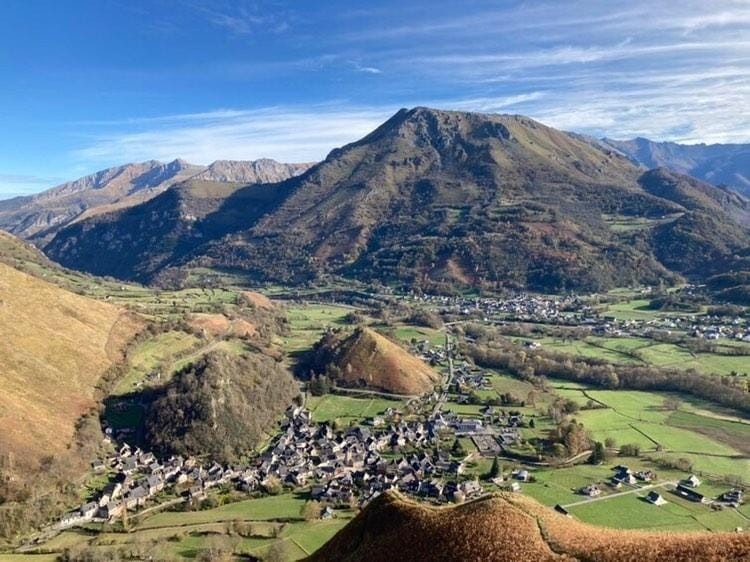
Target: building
[[655, 498]]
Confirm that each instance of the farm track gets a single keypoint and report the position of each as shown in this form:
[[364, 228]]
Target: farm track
[[618, 494]]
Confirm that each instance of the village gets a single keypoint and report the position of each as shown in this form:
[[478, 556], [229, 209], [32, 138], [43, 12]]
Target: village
[[571, 311], [342, 468], [347, 468]]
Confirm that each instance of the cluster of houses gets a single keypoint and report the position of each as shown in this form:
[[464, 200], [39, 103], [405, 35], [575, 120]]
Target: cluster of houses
[[344, 467], [522, 307]]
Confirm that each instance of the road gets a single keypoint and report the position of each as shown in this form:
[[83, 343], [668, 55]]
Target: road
[[375, 393], [618, 494]]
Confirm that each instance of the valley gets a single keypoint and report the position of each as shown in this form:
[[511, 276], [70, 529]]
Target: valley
[[492, 432], [457, 309]]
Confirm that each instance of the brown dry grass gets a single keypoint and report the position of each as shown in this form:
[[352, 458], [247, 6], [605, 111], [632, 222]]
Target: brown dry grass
[[54, 347], [506, 527], [259, 300], [371, 357], [217, 325]]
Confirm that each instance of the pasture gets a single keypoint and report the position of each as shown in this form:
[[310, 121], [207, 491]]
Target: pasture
[[330, 407]]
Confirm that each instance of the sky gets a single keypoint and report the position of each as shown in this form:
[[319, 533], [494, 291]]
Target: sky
[[86, 85]]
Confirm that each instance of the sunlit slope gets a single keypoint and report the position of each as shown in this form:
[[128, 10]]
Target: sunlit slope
[[54, 346], [509, 528]]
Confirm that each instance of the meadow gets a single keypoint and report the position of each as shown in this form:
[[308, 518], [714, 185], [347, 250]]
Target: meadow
[[348, 409]]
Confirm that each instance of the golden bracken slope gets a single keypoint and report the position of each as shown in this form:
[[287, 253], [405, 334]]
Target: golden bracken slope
[[54, 347], [508, 528]]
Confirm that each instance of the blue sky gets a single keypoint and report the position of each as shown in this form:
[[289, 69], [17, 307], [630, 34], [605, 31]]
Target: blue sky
[[90, 84]]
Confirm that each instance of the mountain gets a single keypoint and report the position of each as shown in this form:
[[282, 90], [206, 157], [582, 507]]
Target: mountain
[[365, 358], [40, 216], [505, 527], [436, 200], [263, 170], [718, 164], [56, 346]]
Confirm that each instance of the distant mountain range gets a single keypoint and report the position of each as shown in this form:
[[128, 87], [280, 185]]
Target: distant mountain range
[[40, 216], [437, 200], [719, 164]]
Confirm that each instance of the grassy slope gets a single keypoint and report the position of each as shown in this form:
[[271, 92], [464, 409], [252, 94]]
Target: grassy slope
[[508, 527], [55, 346]]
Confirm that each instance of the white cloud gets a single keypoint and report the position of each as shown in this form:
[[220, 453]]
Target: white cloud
[[286, 134]]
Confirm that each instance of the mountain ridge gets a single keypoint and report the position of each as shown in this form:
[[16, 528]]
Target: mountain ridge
[[438, 199], [39, 216], [718, 164]]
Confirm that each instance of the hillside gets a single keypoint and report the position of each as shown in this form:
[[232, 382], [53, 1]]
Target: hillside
[[719, 164], [365, 358], [436, 200], [55, 347], [508, 528], [40, 216], [137, 242], [221, 406]]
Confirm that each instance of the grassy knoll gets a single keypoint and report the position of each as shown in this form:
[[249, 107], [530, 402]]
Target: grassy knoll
[[348, 408]]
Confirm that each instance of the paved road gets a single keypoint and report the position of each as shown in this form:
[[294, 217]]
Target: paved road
[[633, 491]]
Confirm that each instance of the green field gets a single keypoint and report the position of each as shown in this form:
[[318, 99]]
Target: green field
[[155, 353], [348, 408], [284, 506], [308, 322], [640, 418]]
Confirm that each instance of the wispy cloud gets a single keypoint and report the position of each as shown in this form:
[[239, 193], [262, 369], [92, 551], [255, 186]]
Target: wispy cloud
[[242, 17], [14, 185], [288, 134]]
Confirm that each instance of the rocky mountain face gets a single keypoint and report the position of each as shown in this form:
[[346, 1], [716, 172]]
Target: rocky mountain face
[[39, 216], [718, 164], [437, 200], [263, 170]]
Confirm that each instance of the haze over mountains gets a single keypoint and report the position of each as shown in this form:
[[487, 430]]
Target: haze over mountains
[[433, 199], [719, 164], [41, 215]]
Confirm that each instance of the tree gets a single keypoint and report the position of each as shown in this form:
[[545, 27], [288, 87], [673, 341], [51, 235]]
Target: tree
[[531, 397], [630, 450], [610, 443], [495, 469], [671, 404], [272, 485], [598, 455], [277, 552], [457, 449], [310, 511]]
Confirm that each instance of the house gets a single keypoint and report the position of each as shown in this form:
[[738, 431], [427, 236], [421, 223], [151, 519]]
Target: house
[[645, 475], [655, 498], [111, 510], [693, 481], [561, 509], [733, 497], [327, 513], [88, 510], [690, 494], [515, 487], [591, 491], [522, 475]]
